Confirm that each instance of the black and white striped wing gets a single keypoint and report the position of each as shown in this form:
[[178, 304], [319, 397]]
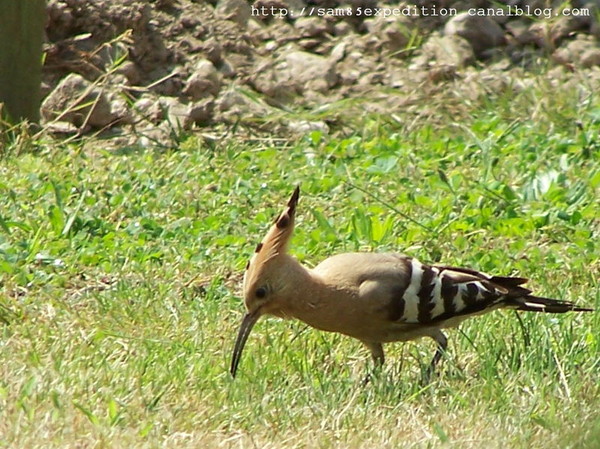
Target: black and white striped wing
[[438, 293]]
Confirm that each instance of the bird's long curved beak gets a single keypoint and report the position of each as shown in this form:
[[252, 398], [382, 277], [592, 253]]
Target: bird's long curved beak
[[248, 322]]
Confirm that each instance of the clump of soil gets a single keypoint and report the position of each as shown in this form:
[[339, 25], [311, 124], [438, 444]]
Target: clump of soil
[[144, 68]]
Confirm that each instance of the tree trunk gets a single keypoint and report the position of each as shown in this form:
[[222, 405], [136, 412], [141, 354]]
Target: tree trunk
[[21, 34]]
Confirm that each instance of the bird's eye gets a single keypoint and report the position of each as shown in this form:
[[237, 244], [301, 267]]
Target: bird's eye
[[260, 292]]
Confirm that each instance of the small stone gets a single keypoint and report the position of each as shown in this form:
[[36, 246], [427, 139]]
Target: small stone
[[451, 50], [389, 32], [120, 109], [564, 27], [236, 103], [309, 44], [238, 11], [131, 72], [581, 51], [148, 108], [306, 68], [204, 81], [227, 69], [303, 127], [520, 32], [342, 28], [213, 50], [311, 26], [442, 73], [61, 127], [338, 52], [590, 57], [481, 32], [61, 103], [200, 112], [177, 112]]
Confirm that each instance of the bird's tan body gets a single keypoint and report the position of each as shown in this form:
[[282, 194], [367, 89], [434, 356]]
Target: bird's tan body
[[374, 297], [353, 294]]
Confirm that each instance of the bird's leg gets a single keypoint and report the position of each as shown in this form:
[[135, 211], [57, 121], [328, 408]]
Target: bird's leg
[[442, 345], [378, 357]]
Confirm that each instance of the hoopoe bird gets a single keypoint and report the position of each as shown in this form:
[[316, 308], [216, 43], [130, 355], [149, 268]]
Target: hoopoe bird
[[374, 297]]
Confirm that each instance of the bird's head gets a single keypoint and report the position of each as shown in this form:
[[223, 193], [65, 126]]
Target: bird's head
[[265, 277]]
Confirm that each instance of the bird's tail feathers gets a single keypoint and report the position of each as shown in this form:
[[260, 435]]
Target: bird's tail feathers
[[532, 303]]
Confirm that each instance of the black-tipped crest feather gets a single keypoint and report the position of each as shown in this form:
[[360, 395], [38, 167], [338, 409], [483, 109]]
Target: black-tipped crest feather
[[294, 200]]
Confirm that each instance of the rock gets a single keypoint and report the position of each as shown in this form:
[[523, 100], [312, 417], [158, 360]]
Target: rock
[[176, 112], [59, 16], [232, 105], [582, 51], [229, 100], [120, 109], [342, 28], [190, 22], [451, 51], [399, 77], [311, 71], [590, 57], [213, 50], [338, 52], [228, 67], [148, 108], [270, 46], [304, 59], [442, 73], [481, 32], [310, 44], [168, 83], [276, 84], [131, 72], [200, 113], [391, 33], [355, 66], [238, 11], [61, 127], [294, 6], [593, 6], [520, 32], [371, 79], [566, 26], [181, 115], [541, 36], [283, 32], [66, 103], [311, 26], [148, 136], [204, 81], [165, 4], [304, 127], [297, 72], [550, 35]]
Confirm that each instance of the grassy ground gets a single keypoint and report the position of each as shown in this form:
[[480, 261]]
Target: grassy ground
[[121, 272]]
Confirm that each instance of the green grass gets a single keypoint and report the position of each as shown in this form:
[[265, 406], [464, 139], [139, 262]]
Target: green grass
[[121, 277]]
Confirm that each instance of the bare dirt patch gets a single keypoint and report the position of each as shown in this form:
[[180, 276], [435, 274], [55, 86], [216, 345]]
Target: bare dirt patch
[[144, 68]]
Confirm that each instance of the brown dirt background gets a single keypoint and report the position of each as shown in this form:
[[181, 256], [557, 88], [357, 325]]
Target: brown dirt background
[[137, 70]]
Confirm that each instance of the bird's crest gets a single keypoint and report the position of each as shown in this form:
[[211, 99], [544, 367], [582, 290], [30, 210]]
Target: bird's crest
[[275, 242]]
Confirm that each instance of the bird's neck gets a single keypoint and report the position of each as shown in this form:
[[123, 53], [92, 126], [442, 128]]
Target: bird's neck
[[306, 296]]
